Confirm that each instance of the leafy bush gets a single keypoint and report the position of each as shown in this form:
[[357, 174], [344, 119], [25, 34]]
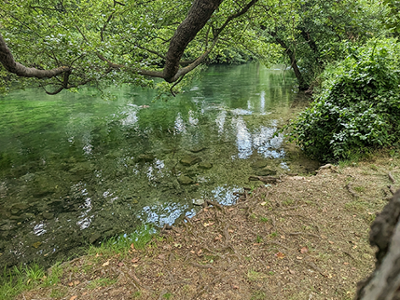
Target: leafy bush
[[357, 107]]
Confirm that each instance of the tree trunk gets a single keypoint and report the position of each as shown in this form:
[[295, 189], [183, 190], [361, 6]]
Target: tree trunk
[[197, 17], [384, 282], [303, 86]]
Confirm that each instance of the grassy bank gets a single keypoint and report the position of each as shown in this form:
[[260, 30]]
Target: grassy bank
[[305, 237]]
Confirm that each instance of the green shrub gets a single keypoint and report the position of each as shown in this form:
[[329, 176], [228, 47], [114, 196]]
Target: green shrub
[[357, 108]]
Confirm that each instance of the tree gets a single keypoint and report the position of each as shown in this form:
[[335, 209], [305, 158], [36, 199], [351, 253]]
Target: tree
[[85, 41], [313, 33]]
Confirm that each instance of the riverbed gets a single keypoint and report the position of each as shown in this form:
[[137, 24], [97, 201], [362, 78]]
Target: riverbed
[[76, 168]]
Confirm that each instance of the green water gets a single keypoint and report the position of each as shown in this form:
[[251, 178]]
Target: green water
[[76, 168]]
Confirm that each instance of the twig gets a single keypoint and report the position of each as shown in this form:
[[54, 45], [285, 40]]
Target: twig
[[215, 204], [351, 191], [314, 266], [391, 189], [304, 233], [391, 178], [207, 266]]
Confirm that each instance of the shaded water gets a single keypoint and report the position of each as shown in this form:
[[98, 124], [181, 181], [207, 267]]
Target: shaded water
[[75, 168]]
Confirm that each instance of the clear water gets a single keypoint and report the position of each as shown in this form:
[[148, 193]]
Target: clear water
[[75, 168]]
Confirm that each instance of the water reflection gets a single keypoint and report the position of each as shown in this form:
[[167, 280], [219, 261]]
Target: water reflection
[[101, 168]]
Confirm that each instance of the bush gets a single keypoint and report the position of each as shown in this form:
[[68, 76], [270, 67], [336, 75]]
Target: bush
[[357, 108]]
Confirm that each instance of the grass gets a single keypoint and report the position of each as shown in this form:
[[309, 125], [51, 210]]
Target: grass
[[258, 295], [19, 279], [124, 243], [101, 282], [254, 275]]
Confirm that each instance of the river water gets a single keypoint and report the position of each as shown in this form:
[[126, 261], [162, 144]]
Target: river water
[[76, 168]]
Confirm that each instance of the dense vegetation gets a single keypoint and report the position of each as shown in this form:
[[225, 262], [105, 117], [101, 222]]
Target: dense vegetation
[[337, 48], [358, 106]]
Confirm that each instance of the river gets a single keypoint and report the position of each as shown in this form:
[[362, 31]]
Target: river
[[76, 168]]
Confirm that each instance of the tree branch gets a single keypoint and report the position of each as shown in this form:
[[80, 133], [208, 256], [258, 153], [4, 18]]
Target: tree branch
[[7, 60]]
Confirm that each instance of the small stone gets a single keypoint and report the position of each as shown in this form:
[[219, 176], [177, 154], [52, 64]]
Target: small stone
[[265, 172], [205, 165], [259, 164], [185, 180], [199, 202], [197, 149], [20, 206], [190, 160], [48, 215]]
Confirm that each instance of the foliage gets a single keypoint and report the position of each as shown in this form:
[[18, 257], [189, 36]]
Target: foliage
[[134, 34], [311, 32], [358, 106], [392, 17], [124, 243]]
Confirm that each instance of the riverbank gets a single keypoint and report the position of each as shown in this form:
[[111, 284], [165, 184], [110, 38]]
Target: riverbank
[[303, 238]]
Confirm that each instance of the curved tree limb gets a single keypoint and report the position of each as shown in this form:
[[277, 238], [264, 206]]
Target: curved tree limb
[[197, 17], [9, 63]]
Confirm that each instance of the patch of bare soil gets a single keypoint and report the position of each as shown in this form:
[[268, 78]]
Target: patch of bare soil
[[303, 238]]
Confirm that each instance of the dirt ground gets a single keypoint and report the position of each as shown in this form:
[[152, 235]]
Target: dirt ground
[[303, 238]]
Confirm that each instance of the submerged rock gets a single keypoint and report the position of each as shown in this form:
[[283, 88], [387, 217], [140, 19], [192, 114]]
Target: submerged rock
[[265, 172], [48, 215], [145, 158], [197, 149], [190, 160], [94, 237], [205, 165], [198, 202], [82, 168], [259, 164], [185, 180]]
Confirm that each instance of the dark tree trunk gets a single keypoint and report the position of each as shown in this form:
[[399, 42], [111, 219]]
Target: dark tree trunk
[[312, 44], [303, 86], [384, 282], [197, 17]]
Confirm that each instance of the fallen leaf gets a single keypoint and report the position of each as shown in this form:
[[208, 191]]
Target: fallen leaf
[[282, 237], [280, 255], [346, 263], [199, 252], [120, 264], [167, 247], [135, 260], [106, 263], [208, 224], [218, 238], [330, 242], [71, 284], [303, 250], [161, 256], [263, 203], [299, 257], [73, 297], [231, 231], [132, 246], [235, 287], [76, 282], [292, 272], [230, 209]]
